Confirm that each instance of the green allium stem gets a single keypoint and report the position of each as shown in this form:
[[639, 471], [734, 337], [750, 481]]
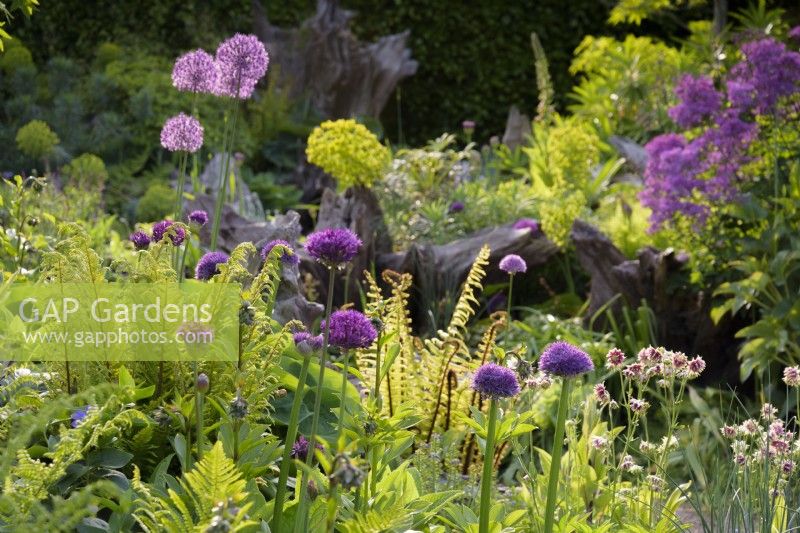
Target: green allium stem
[[510, 294], [181, 185], [488, 469], [555, 457], [340, 428], [291, 436], [223, 180], [301, 518], [198, 406]]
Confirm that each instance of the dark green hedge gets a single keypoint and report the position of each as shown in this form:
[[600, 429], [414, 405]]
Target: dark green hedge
[[475, 57]]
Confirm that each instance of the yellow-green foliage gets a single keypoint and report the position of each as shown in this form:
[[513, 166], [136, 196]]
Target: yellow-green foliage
[[625, 221], [563, 154], [558, 214], [428, 373], [87, 170], [627, 87], [348, 151], [36, 139], [215, 487]]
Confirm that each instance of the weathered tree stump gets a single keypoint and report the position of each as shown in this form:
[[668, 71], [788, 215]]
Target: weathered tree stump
[[322, 60]]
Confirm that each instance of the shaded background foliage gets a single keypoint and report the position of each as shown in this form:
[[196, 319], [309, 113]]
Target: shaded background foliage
[[475, 57]]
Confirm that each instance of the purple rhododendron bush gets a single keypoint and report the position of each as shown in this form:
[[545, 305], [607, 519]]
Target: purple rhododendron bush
[[314, 322]]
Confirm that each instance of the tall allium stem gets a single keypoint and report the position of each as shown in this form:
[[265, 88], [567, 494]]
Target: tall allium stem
[[377, 392], [222, 192], [555, 456], [198, 406], [488, 468], [301, 519], [291, 437], [510, 296], [340, 428], [181, 185]]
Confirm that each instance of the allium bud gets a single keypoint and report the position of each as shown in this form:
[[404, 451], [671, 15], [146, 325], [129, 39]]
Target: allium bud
[[202, 383]]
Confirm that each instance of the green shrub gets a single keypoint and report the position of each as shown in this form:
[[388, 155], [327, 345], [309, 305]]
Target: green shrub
[[35, 139], [14, 57], [157, 202], [87, 171]]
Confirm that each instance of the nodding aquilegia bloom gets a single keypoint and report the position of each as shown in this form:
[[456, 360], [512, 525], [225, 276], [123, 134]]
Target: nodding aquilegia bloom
[[208, 265], [288, 258], [350, 329], [241, 61], [495, 381], [565, 360], [195, 72], [513, 264], [333, 247], [140, 240], [182, 133], [163, 228]]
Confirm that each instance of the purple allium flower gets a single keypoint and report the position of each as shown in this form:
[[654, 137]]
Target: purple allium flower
[[182, 133], [300, 448], [198, 217], [207, 266], [241, 61], [307, 343], [333, 247], [565, 360], [77, 417], [495, 381], [468, 125], [527, 223], [195, 72], [350, 329], [794, 33], [140, 240], [513, 264], [456, 207], [699, 99], [288, 258], [160, 229]]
